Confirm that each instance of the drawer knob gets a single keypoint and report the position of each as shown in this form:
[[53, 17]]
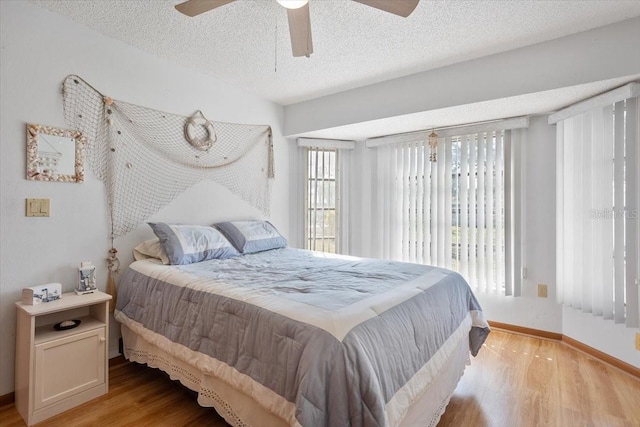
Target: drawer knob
[[102, 339]]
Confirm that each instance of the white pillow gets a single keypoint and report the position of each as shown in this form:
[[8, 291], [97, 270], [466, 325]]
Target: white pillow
[[150, 249]]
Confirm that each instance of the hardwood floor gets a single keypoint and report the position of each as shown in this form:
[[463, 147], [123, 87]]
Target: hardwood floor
[[516, 381], [520, 381]]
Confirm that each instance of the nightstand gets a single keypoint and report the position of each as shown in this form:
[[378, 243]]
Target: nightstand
[[56, 370]]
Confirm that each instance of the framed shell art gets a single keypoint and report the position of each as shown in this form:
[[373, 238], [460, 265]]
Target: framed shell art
[[55, 154]]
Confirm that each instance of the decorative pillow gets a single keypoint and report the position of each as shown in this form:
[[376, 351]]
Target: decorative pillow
[[186, 244], [150, 249], [252, 236]]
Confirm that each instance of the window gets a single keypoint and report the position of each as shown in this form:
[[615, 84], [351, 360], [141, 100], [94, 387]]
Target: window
[[598, 196], [456, 212], [321, 220], [478, 220]]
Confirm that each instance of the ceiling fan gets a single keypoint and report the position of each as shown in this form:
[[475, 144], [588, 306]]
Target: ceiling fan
[[298, 14]]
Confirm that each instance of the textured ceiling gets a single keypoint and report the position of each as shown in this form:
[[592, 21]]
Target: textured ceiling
[[246, 43]]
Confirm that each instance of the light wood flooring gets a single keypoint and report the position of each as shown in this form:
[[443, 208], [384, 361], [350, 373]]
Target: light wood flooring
[[516, 381]]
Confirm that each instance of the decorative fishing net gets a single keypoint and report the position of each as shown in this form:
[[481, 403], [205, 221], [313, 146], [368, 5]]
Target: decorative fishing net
[[147, 157]]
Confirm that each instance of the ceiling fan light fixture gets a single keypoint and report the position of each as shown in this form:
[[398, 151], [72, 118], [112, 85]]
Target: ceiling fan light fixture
[[292, 4], [298, 15]]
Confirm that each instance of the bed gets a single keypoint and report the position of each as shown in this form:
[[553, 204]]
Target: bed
[[288, 337]]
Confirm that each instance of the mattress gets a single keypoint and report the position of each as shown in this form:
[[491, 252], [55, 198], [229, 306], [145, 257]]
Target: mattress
[[310, 338]]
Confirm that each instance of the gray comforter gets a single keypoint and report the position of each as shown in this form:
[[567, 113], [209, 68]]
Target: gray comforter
[[338, 336]]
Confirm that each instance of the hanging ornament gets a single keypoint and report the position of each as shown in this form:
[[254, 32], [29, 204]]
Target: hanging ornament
[[433, 145]]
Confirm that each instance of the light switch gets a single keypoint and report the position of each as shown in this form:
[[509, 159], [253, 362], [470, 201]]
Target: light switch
[[38, 207]]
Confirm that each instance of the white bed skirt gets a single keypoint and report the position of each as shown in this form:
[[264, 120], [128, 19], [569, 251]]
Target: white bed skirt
[[240, 410]]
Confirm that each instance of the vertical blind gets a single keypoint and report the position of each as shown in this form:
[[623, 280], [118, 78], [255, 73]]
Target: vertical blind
[[598, 207], [453, 213]]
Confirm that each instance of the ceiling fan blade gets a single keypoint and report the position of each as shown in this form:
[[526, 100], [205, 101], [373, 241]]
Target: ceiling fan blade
[[300, 31], [196, 7], [402, 8]]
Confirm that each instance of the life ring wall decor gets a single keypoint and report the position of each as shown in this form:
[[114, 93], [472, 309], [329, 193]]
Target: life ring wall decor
[[202, 144]]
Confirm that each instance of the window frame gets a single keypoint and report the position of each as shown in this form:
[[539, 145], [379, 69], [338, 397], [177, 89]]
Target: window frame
[[308, 208]]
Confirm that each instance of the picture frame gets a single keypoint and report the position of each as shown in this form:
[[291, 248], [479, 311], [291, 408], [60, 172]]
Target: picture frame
[[55, 154]]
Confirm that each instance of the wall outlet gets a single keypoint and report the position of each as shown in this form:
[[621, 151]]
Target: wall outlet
[[638, 341], [542, 291]]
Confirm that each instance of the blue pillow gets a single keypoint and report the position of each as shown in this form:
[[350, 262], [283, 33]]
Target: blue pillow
[[252, 236], [186, 244]]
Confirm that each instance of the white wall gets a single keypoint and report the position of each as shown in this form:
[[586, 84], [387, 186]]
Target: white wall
[[572, 60], [539, 237], [38, 50]]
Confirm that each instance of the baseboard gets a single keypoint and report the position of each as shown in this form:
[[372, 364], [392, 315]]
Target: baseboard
[[538, 333], [7, 399], [630, 369], [596, 354]]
